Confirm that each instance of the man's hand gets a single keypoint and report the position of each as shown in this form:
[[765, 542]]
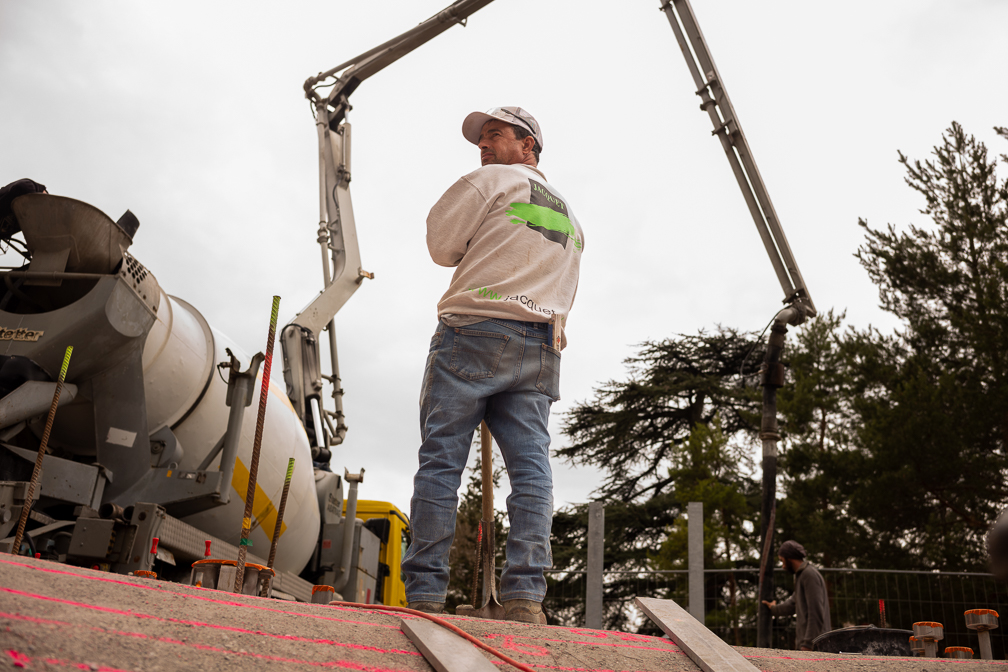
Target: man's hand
[[770, 604]]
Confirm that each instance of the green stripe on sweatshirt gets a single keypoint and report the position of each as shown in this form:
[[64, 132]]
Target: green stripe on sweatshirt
[[544, 217]]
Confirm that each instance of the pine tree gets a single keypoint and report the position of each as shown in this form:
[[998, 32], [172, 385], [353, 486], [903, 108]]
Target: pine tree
[[933, 399], [639, 432]]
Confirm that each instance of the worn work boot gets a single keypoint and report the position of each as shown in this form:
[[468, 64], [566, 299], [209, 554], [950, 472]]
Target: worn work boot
[[427, 607], [524, 611]]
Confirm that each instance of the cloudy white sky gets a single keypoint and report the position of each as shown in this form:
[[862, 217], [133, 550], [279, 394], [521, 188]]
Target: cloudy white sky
[[191, 114]]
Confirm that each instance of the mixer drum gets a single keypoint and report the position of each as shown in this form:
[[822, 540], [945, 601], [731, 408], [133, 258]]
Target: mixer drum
[[186, 393], [143, 363]]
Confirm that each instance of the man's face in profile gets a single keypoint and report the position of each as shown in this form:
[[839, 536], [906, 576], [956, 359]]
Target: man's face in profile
[[498, 144]]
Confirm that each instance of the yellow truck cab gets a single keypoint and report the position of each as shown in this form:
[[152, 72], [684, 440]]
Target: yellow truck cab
[[392, 528]]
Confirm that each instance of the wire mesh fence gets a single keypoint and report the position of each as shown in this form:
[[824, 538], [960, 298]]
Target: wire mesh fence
[[730, 601]]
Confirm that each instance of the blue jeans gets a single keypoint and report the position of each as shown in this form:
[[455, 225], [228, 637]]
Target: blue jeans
[[505, 372]]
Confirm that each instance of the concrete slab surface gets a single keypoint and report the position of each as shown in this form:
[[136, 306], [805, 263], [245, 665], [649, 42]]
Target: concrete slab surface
[[57, 617]]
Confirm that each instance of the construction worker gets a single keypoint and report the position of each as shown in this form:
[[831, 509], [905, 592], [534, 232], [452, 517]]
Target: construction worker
[[517, 249], [809, 600]]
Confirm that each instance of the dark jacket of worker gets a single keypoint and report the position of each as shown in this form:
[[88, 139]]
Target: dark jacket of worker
[[810, 603]]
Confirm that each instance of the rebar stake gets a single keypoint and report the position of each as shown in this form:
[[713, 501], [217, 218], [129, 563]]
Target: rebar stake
[[929, 632], [37, 471], [279, 521], [983, 620], [256, 446]]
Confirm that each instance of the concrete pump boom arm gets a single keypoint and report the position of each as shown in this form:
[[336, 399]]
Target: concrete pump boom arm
[[715, 101], [337, 232], [342, 273], [362, 66]]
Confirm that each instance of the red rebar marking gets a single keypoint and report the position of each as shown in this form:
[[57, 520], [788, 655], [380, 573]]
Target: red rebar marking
[[207, 554], [153, 548]]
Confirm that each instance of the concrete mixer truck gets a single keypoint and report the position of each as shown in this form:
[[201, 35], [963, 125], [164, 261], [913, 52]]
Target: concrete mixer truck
[[150, 438]]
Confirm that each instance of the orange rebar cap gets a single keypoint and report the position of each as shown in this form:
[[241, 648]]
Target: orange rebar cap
[[981, 612], [958, 652], [216, 561], [322, 589]]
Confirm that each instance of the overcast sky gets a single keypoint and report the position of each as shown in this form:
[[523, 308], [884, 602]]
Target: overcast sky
[[192, 115]]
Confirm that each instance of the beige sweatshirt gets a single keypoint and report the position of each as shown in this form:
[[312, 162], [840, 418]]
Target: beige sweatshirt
[[515, 242]]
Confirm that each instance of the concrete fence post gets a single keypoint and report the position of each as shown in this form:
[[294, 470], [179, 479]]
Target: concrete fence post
[[593, 588], [694, 513]]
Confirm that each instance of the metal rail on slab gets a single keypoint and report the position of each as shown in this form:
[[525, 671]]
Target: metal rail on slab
[[189, 543]]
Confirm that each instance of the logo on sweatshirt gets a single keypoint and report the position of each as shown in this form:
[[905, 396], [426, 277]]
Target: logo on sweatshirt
[[546, 214]]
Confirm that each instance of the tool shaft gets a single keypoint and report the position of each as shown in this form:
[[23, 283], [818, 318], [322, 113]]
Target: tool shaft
[[486, 460]]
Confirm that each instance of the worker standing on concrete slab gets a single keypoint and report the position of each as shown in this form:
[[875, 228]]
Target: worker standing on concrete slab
[[809, 600], [517, 248]]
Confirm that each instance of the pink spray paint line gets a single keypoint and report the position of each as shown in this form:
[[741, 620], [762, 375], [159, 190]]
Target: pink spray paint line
[[579, 631], [196, 596], [43, 621], [665, 645], [106, 579], [345, 664], [508, 643], [209, 626], [22, 661], [139, 635]]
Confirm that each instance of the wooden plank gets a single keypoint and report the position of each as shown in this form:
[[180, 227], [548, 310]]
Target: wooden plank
[[702, 646], [443, 649]]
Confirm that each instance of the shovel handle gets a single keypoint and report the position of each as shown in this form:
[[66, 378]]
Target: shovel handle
[[486, 460]]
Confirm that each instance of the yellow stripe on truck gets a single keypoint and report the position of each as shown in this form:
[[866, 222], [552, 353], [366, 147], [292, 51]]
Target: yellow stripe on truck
[[262, 506]]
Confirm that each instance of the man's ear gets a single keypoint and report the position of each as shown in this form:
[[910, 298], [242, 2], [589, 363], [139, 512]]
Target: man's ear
[[528, 144]]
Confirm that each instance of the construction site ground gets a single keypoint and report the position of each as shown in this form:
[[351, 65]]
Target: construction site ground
[[59, 617]]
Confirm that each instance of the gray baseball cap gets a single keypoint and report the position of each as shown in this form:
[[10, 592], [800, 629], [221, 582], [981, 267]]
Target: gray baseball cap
[[516, 116], [792, 550]]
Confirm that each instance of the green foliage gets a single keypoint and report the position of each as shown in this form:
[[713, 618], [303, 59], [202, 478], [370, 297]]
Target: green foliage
[[934, 417], [820, 465], [631, 429], [649, 435], [894, 448], [707, 470]]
